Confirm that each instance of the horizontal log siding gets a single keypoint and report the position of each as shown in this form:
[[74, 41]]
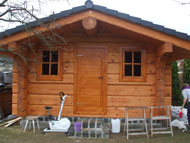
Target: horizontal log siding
[[119, 94], [168, 85], [46, 93], [14, 90], [129, 94]]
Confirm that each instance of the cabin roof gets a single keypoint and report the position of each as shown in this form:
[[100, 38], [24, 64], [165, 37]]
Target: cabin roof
[[89, 5]]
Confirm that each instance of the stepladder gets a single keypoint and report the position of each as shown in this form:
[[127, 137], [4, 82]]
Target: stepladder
[[140, 119], [160, 114]]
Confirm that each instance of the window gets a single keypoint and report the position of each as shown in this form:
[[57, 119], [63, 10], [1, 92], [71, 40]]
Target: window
[[133, 64], [50, 66]]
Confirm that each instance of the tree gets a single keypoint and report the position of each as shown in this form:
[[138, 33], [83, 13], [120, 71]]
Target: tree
[[22, 12], [177, 99], [186, 71]]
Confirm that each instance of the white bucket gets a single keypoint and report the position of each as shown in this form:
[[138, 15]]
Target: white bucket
[[115, 125]]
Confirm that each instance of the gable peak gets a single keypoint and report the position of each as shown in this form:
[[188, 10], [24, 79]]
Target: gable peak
[[89, 4]]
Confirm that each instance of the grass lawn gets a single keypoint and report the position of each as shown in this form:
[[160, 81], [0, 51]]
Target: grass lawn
[[14, 134]]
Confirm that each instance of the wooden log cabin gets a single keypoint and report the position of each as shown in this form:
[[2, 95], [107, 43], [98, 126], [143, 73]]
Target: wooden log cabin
[[110, 61]]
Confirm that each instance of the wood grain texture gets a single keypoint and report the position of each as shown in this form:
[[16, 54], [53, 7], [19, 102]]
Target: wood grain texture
[[49, 89], [131, 90], [119, 94], [90, 80], [90, 25]]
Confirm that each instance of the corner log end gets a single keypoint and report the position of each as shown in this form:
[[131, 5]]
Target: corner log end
[[90, 25]]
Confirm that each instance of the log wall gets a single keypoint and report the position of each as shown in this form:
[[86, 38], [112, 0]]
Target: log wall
[[6, 102], [119, 94]]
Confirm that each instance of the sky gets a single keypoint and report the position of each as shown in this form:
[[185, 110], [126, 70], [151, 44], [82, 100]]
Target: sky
[[168, 13]]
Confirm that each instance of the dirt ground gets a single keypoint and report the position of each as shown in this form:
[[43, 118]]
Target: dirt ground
[[14, 134]]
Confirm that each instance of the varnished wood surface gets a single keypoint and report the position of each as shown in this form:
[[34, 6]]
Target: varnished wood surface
[[118, 94], [90, 80]]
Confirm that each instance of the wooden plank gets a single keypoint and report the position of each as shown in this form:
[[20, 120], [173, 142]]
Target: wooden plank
[[131, 90], [113, 68], [15, 87], [68, 68], [168, 101], [14, 109], [168, 91], [48, 100], [151, 69], [150, 58], [131, 101], [15, 77], [68, 57], [50, 88], [40, 110], [23, 82], [113, 57], [114, 48], [14, 98], [168, 80], [12, 121], [114, 79], [22, 106], [112, 112], [67, 78], [168, 70]]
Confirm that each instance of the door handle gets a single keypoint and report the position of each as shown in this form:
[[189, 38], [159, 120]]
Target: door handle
[[79, 103], [100, 77]]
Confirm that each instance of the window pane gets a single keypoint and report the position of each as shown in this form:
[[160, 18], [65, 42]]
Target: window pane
[[46, 56], [45, 69], [128, 70], [137, 70], [54, 56], [54, 69], [128, 57], [137, 57]]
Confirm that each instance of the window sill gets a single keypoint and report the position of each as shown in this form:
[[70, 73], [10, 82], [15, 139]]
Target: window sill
[[133, 79], [49, 78]]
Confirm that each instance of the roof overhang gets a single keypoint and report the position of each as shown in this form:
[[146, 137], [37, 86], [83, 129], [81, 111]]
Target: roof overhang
[[113, 19]]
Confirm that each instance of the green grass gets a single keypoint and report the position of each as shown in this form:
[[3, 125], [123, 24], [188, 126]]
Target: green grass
[[14, 134]]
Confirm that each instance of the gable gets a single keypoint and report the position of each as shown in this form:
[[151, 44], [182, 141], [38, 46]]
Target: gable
[[120, 20]]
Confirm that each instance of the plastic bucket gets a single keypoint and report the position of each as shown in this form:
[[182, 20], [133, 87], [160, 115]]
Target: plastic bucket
[[77, 126]]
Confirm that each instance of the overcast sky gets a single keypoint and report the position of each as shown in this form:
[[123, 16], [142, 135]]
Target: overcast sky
[[168, 13]]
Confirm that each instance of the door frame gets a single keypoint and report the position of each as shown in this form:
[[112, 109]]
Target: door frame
[[90, 45]]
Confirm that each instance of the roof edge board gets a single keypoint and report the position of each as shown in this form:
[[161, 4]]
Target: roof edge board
[[103, 10]]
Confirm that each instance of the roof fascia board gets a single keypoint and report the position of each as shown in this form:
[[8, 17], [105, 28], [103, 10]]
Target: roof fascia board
[[113, 20]]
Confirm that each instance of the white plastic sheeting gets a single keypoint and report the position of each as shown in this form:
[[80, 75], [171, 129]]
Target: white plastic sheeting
[[179, 122], [175, 114]]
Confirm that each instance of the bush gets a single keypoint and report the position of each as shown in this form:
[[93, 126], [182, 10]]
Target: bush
[[186, 71], [177, 98]]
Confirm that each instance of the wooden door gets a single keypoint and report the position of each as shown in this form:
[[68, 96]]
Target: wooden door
[[90, 89]]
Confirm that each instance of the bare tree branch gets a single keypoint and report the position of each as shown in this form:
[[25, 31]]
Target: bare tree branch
[[182, 3], [2, 4], [23, 14]]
